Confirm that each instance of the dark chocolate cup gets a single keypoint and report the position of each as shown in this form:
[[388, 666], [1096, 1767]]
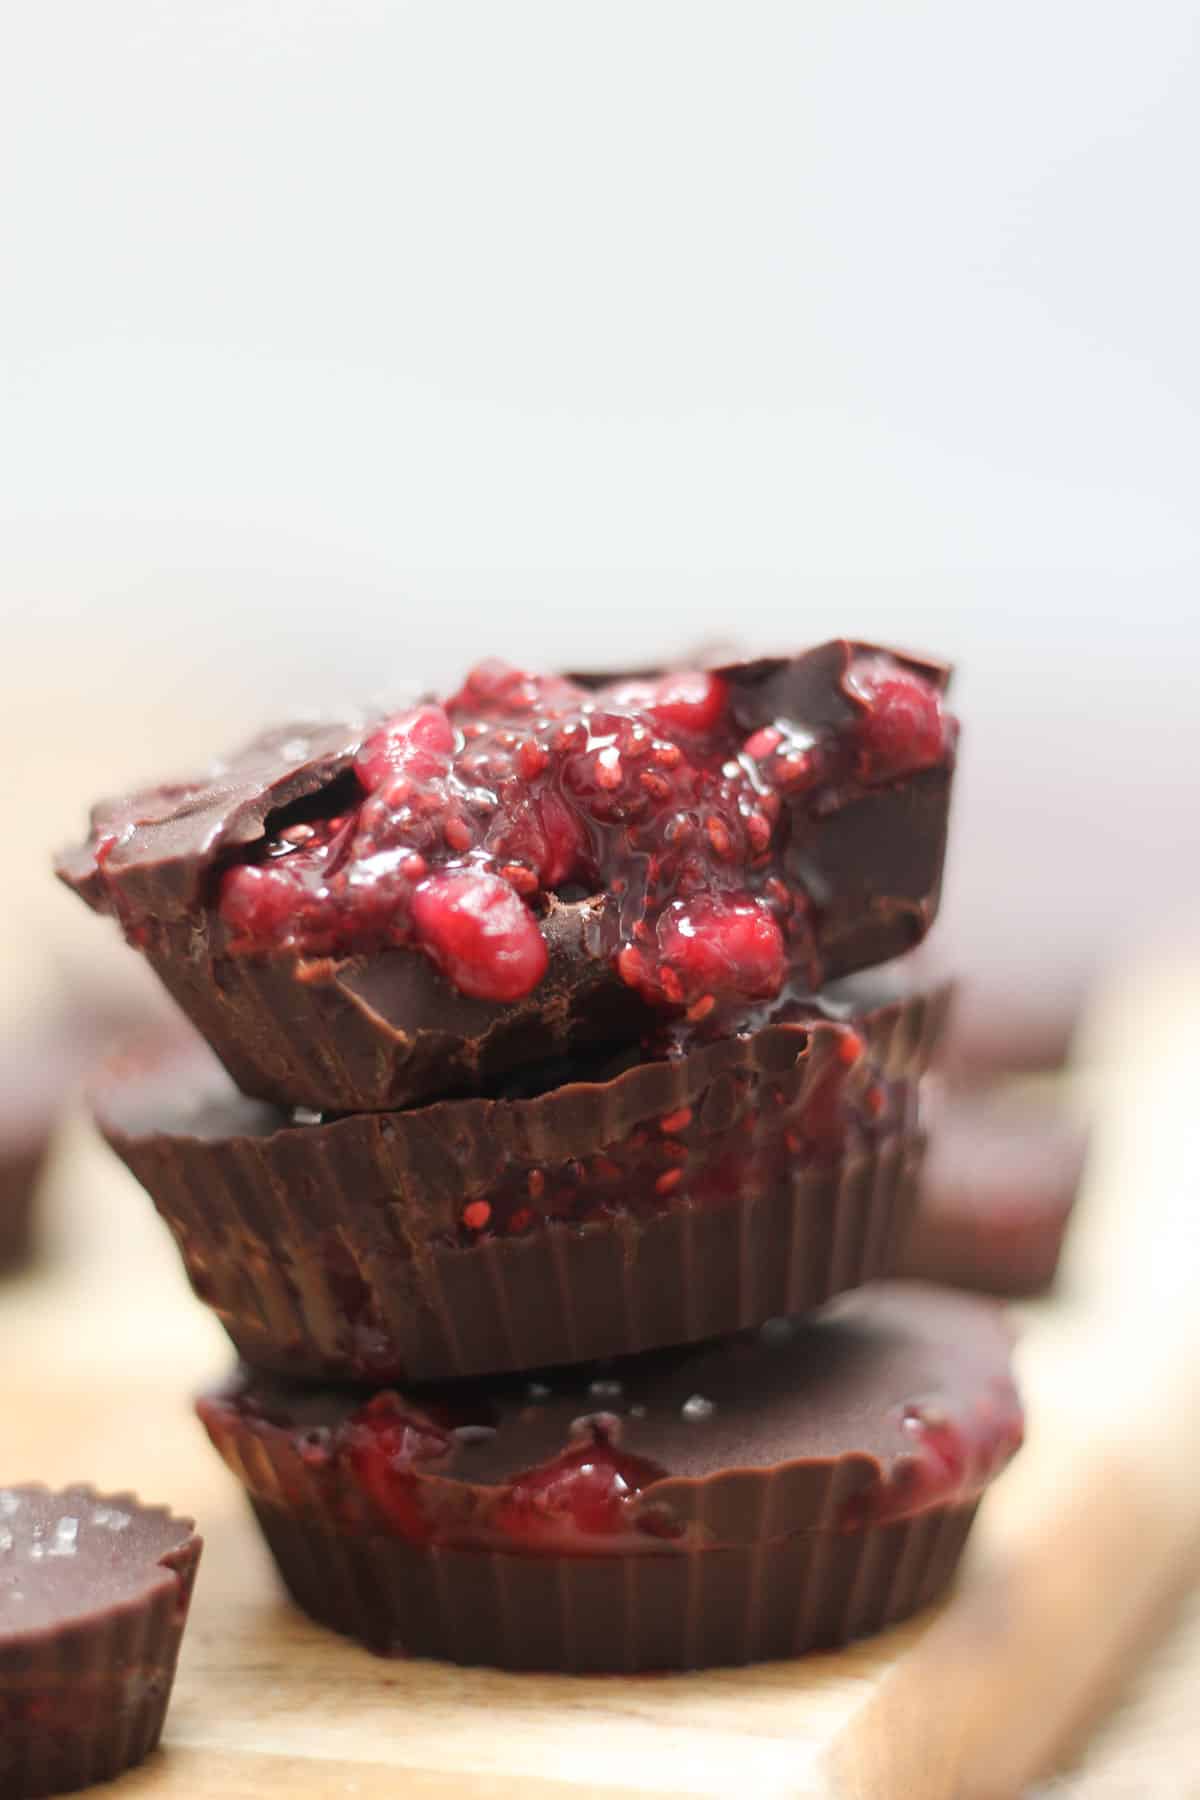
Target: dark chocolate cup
[[86, 1698], [583, 1615], [997, 1193], [752, 1497], [339, 1250], [19, 1176], [39, 1068], [384, 1029], [387, 1030]]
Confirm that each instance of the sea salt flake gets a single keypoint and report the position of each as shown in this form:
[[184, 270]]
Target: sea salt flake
[[111, 1518], [66, 1533]]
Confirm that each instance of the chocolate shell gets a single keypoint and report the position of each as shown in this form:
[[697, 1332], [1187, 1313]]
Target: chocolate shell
[[35, 1086], [658, 1201], [998, 1189], [580, 1616], [756, 1497], [94, 1595], [385, 1028], [20, 1170]]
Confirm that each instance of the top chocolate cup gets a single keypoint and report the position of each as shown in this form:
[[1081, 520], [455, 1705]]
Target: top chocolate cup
[[366, 914]]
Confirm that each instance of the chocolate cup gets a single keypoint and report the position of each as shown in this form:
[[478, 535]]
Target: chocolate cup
[[86, 1683], [36, 1086], [339, 1251], [38, 1070], [385, 1029], [775, 1491], [1007, 1019], [578, 1616], [41, 1067], [19, 1175], [997, 1193]]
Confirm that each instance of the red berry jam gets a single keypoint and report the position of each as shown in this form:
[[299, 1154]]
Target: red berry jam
[[480, 933], [949, 1461], [583, 1498], [586, 1492], [381, 1443], [459, 821], [743, 1137], [903, 727]]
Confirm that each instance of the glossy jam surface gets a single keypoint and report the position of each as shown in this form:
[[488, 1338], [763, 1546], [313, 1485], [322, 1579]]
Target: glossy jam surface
[[381, 1444], [586, 1492], [460, 820], [584, 1498]]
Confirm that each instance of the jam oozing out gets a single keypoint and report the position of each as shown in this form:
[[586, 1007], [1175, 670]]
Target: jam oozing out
[[460, 820], [948, 1459], [588, 1492], [743, 1136], [416, 1479], [381, 1443]]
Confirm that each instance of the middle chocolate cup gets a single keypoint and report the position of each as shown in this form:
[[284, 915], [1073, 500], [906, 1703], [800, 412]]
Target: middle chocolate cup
[[646, 1200]]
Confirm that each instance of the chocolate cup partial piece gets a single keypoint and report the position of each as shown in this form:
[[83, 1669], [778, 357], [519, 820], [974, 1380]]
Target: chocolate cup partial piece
[[577, 1616], [94, 1596], [671, 1201], [37, 1070], [385, 1029], [997, 1193], [798, 1486], [20, 1173], [41, 1066], [1010, 1022]]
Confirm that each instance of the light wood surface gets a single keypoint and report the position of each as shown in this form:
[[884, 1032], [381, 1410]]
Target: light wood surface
[[1081, 1553]]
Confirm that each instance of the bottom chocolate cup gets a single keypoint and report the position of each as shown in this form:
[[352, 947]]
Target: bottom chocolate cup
[[756, 1497], [94, 1596], [583, 1616], [636, 1201]]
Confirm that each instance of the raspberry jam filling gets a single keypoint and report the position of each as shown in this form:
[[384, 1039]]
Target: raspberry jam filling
[[742, 1136], [587, 1492], [459, 821], [584, 1498], [951, 1460], [593, 1494]]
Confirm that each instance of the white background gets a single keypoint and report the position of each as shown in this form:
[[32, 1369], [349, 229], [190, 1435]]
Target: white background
[[346, 342]]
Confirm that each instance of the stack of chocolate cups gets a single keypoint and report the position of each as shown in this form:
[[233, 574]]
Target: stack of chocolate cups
[[549, 1153]]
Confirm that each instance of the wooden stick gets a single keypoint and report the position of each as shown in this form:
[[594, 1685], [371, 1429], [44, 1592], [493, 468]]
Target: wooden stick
[[1046, 1626]]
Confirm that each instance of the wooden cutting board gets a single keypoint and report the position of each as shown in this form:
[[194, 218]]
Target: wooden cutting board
[[102, 1346]]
